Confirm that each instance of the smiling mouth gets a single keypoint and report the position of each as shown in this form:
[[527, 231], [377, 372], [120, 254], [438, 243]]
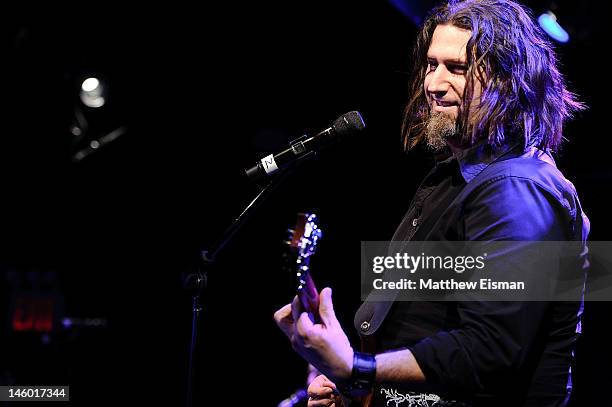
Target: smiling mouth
[[439, 103]]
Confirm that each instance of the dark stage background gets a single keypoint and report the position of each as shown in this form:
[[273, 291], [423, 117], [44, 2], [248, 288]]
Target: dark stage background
[[203, 91]]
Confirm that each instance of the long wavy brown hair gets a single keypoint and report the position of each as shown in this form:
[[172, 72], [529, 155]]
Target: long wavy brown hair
[[524, 94]]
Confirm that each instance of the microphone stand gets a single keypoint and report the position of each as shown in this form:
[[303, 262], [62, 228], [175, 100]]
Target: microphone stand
[[196, 282]]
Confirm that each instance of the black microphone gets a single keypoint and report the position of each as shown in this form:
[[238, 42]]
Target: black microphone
[[344, 125]]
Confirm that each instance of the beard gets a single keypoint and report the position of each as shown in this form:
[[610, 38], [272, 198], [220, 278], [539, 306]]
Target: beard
[[438, 129]]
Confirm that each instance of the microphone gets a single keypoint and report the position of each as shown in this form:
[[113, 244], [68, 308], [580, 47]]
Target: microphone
[[344, 125], [296, 398]]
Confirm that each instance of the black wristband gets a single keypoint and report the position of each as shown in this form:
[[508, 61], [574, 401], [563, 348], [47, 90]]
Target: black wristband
[[363, 375]]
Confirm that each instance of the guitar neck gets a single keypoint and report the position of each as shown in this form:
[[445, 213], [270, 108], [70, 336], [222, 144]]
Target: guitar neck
[[302, 243], [309, 296]]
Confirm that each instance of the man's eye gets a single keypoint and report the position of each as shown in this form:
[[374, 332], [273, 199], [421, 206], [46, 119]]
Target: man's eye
[[431, 66], [459, 69]]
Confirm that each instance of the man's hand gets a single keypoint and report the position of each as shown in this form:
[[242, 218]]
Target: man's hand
[[324, 345], [322, 392]]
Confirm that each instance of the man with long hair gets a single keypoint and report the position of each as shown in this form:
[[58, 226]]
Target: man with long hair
[[488, 99]]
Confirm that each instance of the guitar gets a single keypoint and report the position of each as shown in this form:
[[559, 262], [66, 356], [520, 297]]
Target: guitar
[[300, 247]]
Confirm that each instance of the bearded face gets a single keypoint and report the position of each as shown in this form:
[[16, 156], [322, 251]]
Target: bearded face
[[445, 83]]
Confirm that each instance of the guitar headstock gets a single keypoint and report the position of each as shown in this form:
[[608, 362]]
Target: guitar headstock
[[302, 244]]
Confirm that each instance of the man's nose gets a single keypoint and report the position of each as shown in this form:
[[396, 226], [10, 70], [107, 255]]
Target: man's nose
[[438, 83]]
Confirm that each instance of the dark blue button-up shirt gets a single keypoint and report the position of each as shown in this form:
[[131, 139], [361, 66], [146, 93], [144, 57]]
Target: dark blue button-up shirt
[[487, 353]]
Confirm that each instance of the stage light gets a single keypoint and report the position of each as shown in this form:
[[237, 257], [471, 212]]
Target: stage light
[[90, 84], [548, 22], [92, 93]]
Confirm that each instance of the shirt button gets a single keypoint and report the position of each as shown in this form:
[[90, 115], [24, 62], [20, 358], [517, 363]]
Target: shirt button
[[415, 222], [365, 325]]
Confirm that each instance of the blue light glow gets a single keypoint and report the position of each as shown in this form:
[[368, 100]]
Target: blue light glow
[[548, 22]]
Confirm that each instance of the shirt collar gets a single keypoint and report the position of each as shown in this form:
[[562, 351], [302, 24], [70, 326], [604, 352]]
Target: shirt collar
[[473, 160]]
